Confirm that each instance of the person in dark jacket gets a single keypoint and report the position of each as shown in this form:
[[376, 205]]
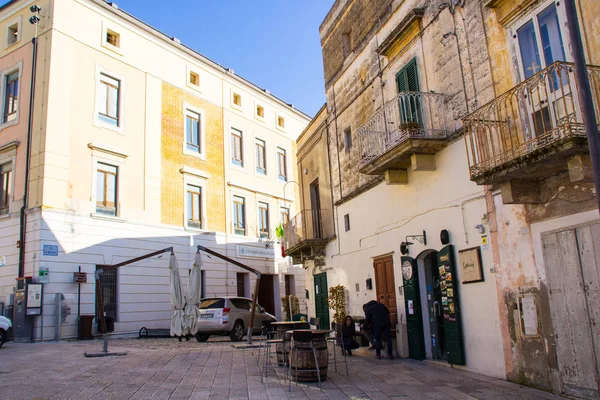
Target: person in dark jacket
[[348, 332], [378, 316]]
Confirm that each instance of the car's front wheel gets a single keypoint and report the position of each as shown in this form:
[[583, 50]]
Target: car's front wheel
[[2, 337], [201, 337], [237, 333]]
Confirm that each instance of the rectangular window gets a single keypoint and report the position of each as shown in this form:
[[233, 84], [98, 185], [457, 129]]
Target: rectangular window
[[263, 220], [281, 164], [284, 214], [280, 122], [11, 96], [347, 43], [113, 38], [347, 139], [109, 98], [347, 222], [5, 187], [239, 215], [108, 281], [193, 131], [237, 150], [194, 79], [12, 34], [290, 285], [194, 207], [260, 111], [261, 161], [237, 99], [106, 189]]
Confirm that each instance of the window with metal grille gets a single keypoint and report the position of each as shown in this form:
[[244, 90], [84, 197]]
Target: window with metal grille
[[237, 152], [194, 204], [261, 163], [263, 220], [5, 187], [108, 281], [281, 164], [11, 96], [239, 215], [106, 189], [108, 98], [193, 131]]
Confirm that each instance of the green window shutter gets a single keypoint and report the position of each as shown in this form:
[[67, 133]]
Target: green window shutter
[[409, 106]]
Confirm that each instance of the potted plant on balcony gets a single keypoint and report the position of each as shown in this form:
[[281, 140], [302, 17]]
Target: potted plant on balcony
[[410, 128], [337, 302]]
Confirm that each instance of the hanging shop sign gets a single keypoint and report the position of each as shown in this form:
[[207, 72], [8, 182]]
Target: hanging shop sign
[[450, 305], [471, 268]]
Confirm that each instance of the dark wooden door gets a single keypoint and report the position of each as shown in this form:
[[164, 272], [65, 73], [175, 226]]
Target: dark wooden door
[[315, 215], [385, 287], [412, 299], [435, 307], [455, 351], [321, 305], [241, 291], [266, 294]]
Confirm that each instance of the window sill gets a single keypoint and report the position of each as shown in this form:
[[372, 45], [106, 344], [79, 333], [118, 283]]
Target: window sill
[[195, 88], [10, 123], [259, 118], [100, 124], [238, 167], [192, 229], [112, 48], [201, 156], [5, 216], [107, 218]]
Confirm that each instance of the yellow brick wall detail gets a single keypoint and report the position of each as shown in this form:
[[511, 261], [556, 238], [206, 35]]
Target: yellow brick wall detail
[[173, 159]]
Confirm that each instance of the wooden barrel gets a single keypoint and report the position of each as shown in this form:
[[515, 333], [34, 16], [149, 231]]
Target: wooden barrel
[[304, 360], [282, 328]]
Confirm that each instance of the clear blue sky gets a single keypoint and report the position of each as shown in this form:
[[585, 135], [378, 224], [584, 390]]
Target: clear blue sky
[[272, 43]]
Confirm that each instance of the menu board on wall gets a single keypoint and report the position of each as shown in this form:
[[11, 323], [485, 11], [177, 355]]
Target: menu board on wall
[[450, 306]]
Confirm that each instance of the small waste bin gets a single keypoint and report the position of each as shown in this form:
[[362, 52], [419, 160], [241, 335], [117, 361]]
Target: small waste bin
[[85, 327]]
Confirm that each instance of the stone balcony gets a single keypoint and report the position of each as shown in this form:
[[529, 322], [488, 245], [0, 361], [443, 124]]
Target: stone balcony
[[405, 133], [533, 131], [305, 236]]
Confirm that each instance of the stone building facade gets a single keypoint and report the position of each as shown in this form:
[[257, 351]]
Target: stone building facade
[[455, 128]]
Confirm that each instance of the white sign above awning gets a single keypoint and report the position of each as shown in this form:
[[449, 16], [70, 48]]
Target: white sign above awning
[[254, 252]]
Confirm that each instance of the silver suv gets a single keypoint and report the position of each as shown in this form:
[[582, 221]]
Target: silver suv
[[229, 315]]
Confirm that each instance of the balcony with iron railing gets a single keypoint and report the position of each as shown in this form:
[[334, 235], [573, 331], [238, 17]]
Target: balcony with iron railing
[[411, 123], [307, 233], [532, 130]]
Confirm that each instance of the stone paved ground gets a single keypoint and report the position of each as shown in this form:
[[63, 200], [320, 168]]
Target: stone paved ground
[[167, 369]]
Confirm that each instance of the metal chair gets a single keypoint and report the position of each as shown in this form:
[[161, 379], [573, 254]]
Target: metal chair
[[314, 322], [266, 333], [303, 337], [267, 363], [335, 341]]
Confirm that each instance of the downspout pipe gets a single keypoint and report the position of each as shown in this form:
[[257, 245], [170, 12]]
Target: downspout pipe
[[24, 207]]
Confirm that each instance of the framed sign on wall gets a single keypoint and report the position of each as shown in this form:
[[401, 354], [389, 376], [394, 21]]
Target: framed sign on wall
[[471, 268]]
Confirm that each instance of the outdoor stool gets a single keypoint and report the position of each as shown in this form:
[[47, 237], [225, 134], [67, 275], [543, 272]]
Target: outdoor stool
[[267, 363], [266, 333], [304, 337], [335, 341]]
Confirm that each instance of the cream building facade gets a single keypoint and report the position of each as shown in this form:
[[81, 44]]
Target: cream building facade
[[129, 154]]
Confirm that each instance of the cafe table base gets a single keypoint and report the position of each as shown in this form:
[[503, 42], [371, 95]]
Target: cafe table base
[[303, 360]]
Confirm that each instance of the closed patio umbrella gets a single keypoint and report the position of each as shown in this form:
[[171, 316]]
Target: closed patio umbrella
[[177, 299], [194, 293]]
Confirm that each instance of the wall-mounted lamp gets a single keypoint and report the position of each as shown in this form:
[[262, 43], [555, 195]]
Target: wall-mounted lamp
[[444, 237], [419, 238]]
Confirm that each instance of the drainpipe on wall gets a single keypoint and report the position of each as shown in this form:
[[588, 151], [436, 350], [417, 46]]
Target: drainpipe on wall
[[23, 216]]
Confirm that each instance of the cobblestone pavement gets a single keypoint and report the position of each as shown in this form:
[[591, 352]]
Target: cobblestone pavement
[[168, 369]]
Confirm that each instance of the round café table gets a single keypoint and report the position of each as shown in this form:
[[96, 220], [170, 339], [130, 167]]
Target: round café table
[[281, 328], [304, 361]]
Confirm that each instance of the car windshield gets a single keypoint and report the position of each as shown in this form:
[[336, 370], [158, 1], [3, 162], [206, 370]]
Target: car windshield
[[212, 303]]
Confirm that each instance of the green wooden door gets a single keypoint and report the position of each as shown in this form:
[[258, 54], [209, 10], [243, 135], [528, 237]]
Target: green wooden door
[[409, 105], [321, 306], [450, 304], [412, 302]]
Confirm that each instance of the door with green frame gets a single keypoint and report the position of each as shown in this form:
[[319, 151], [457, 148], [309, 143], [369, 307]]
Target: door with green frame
[[321, 305]]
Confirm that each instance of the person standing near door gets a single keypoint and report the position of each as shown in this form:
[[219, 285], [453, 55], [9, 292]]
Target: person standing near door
[[377, 316]]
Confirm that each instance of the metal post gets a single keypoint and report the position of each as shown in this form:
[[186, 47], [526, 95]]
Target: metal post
[[584, 93], [253, 312]]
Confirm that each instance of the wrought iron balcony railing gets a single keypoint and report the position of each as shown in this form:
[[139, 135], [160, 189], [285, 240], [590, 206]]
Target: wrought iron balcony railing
[[533, 117], [306, 225], [410, 115]]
